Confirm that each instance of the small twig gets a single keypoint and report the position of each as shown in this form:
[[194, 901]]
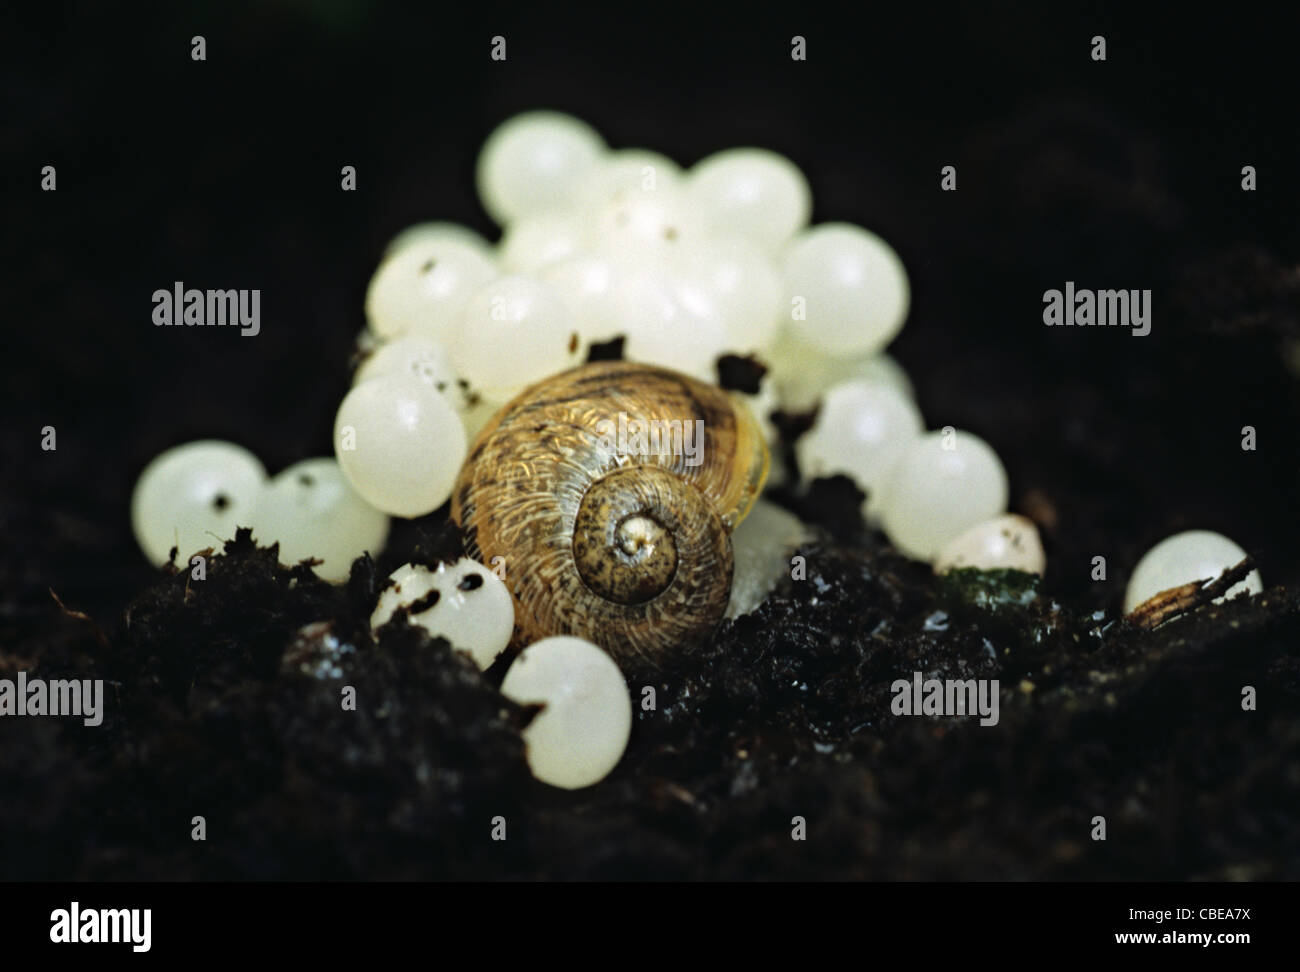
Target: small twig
[[1188, 597], [82, 616]]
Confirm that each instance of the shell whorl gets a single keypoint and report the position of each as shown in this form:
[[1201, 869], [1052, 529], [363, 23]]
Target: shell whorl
[[630, 549]]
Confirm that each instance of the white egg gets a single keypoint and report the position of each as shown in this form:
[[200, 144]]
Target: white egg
[[624, 173], [1194, 555], [943, 484], [465, 603], [422, 289], [476, 415], [311, 511], [534, 242], [1007, 542], [420, 357], [193, 497], [643, 229], [534, 162], [400, 444], [753, 192], [846, 289], [761, 546], [588, 286], [583, 730], [515, 331], [661, 329], [802, 374], [860, 431], [735, 280], [444, 234]]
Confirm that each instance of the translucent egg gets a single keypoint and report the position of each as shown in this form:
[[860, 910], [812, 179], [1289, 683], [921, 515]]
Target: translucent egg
[[1008, 542], [588, 286], [422, 289], [733, 279], [534, 162], [763, 404], [465, 603], [846, 289], [534, 242], [640, 229], [515, 331], [753, 192], [627, 173], [861, 430], [476, 415], [802, 374], [942, 485], [420, 357], [400, 444], [193, 497], [583, 730], [662, 329], [311, 511], [445, 235], [761, 547], [1185, 557]]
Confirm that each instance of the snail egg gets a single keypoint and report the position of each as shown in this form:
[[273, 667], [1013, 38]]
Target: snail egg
[[465, 603], [636, 227], [448, 235], [852, 288], [515, 331], [537, 241], [1195, 555], [422, 289], [1004, 542], [663, 329], [400, 444], [421, 357], [588, 285], [627, 172], [802, 374], [192, 497], [311, 511], [735, 280], [583, 730], [754, 192], [533, 162], [943, 484], [761, 546], [860, 431]]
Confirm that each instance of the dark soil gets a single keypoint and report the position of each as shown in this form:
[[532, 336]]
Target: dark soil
[[220, 704]]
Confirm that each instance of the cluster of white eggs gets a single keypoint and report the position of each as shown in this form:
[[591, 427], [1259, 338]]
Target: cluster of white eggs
[[586, 718], [685, 266], [193, 496]]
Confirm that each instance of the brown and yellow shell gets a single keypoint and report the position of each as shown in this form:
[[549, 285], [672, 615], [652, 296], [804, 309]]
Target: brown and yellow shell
[[629, 548]]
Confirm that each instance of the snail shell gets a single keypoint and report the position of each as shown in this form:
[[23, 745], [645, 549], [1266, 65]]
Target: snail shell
[[630, 550]]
